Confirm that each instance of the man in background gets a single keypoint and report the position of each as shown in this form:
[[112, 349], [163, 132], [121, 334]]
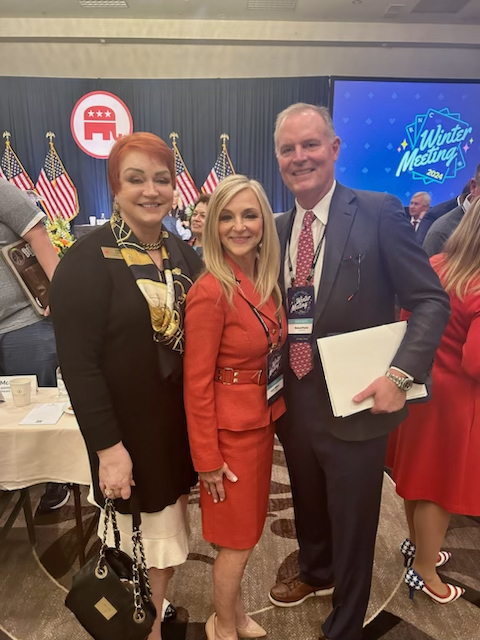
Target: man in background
[[27, 341], [442, 229], [419, 205]]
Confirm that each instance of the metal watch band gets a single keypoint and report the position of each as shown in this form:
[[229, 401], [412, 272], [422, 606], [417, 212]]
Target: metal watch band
[[402, 383]]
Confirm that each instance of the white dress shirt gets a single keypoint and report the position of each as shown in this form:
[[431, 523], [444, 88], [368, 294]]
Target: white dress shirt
[[321, 211]]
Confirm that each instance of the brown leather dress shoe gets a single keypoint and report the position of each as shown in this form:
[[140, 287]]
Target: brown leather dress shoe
[[293, 591]]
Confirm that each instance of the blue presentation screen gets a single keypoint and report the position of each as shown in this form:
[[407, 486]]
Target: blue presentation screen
[[404, 137]]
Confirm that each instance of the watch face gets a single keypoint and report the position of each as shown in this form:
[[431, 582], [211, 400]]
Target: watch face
[[407, 384]]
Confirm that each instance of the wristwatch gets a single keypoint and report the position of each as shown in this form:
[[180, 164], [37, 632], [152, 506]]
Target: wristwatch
[[404, 384]]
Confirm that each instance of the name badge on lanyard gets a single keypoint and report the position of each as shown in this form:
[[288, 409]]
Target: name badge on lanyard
[[301, 300], [275, 381], [274, 360], [300, 311]]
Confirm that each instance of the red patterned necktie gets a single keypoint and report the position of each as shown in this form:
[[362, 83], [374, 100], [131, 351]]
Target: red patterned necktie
[[300, 353]]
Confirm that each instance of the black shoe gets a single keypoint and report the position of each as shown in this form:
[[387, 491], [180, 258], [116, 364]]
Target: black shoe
[[55, 496], [170, 613]]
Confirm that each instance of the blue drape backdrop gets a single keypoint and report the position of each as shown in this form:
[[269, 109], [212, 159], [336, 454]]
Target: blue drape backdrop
[[198, 110]]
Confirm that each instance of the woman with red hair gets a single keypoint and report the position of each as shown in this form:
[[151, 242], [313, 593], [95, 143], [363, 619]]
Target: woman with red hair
[[118, 309]]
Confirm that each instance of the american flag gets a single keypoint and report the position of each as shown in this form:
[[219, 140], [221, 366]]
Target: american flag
[[185, 185], [60, 198], [221, 169], [12, 170]]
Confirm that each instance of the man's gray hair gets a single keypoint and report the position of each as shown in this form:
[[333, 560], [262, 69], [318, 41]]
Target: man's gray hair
[[300, 107], [426, 197]]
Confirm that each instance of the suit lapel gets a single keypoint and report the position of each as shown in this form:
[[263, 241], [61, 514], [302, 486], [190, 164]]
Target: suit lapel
[[340, 218], [284, 229]]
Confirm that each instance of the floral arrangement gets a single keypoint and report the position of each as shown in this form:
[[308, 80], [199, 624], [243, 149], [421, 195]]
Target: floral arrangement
[[189, 210], [60, 235]]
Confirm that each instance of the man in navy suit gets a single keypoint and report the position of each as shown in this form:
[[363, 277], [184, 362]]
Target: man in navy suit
[[354, 251], [419, 205]]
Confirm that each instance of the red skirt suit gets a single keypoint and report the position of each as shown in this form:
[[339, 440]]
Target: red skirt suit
[[230, 422], [437, 452]]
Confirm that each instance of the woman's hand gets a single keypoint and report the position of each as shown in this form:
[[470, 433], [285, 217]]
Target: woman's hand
[[213, 482], [115, 472]]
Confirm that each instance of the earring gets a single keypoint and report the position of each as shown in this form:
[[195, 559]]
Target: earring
[[116, 209]]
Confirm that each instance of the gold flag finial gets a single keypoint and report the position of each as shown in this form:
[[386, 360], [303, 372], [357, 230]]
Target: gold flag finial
[[50, 135], [224, 137], [7, 135], [173, 137]]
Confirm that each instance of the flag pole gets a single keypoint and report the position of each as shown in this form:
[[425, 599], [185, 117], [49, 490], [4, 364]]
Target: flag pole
[[224, 137], [7, 135]]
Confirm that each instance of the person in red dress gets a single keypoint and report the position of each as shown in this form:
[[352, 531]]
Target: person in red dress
[[234, 318], [435, 464]]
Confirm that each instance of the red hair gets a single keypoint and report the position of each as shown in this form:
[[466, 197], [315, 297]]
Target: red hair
[[147, 143]]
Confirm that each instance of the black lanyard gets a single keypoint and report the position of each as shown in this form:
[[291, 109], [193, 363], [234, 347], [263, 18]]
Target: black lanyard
[[264, 325], [314, 261]]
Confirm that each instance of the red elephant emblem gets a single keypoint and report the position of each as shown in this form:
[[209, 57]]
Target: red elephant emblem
[[101, 120]]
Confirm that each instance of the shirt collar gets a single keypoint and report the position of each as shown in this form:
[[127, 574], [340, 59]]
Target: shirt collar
[[322, 207]]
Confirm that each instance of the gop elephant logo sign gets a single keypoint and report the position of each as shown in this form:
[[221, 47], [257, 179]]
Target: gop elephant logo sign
[[99, 119]]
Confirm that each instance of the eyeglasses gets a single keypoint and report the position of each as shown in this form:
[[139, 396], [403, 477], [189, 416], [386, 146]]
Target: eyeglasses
[[358, 260]]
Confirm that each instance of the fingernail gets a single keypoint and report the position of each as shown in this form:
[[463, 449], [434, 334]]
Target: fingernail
[[215, 501], [234, 479]]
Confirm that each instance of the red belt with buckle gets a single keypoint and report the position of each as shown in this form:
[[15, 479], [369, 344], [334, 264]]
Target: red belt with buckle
[[227, 375]]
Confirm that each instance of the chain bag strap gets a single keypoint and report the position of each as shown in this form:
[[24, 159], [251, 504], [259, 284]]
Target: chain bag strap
[[111, 595]]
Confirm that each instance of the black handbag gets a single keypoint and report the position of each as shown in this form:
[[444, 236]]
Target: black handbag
[[111, 594]]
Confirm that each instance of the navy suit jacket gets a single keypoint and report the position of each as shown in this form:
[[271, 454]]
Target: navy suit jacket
[[433, 214], [371, 253]]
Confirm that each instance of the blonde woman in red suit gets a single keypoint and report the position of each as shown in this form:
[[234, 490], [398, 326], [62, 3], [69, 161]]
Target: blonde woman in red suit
[[436, 458], [234, 319]]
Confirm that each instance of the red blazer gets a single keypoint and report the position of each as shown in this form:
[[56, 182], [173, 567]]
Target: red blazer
[[220, 335]]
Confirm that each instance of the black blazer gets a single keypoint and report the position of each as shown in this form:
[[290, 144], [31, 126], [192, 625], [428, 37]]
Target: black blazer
[[370, 227], [112, 367]]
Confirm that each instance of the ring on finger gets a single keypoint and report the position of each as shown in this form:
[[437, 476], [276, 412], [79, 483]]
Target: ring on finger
[[108, 493]]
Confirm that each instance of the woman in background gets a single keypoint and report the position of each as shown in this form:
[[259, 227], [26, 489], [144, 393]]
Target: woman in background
[[117, 304], [436, 463], [234, 320], [197, 222]]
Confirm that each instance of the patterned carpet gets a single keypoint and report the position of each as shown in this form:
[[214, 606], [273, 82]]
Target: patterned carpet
[[33, 584]]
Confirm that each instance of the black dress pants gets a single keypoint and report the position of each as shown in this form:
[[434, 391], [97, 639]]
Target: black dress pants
[[336, 486]]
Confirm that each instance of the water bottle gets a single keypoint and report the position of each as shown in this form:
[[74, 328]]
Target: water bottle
[[102, 218], [61, 388]]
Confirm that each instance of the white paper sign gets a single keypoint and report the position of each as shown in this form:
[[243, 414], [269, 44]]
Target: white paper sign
[[5, 385], [48, 413]]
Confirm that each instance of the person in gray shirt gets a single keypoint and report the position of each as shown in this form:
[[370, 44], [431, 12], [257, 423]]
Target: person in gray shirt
[[442, 229], [27, 341]]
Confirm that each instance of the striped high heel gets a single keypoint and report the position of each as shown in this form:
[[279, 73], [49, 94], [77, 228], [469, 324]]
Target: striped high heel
[[415, 582], [408, 549]]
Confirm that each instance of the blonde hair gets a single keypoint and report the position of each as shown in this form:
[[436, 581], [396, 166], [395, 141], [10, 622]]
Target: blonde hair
[[268, 260], [461, 261]]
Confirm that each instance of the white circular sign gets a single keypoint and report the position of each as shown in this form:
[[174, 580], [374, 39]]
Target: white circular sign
[[99, 119]]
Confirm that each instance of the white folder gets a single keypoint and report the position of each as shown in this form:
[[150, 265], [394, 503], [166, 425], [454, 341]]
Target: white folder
[[351, 361]]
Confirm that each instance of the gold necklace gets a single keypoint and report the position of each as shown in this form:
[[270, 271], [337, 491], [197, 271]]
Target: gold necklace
[[152, 246]]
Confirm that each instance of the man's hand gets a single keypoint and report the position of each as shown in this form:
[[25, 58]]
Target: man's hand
[[387, 397], [213, 482]]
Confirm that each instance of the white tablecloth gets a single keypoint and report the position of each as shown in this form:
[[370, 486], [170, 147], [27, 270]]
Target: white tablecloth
[[47, 453]]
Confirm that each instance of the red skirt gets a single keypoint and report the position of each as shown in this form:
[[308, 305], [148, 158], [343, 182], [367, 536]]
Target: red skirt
[[237, 523]]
